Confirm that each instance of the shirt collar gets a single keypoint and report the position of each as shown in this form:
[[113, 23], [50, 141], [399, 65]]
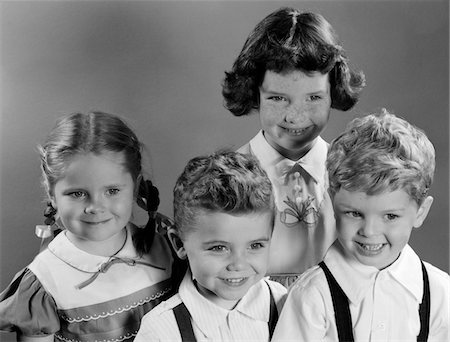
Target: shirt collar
[[356, 279], [208, 316], [407, 270], [66, 251], [312, 162]]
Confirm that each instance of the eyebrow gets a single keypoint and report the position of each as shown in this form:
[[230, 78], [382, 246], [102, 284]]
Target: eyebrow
[[215, 242], [212, 242], [281, 92], [353, 208], [265, 239]]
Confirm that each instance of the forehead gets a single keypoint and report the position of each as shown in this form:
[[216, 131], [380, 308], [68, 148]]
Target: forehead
[[100, 168], [314, 81], [388, 200], [227, 227]]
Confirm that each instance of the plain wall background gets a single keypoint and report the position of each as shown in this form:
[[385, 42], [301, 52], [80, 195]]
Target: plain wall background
[[160, 65]]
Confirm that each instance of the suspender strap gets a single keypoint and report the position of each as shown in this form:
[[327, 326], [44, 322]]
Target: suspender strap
[[273, 316], [341, 307], [183, 319], [424, 308], [342, 311]]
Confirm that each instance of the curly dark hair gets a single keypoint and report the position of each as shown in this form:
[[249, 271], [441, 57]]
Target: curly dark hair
[[226, 182], [288, 39]]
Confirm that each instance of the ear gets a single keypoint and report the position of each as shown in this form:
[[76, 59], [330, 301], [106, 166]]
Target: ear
[[422, 212], [177, 243]]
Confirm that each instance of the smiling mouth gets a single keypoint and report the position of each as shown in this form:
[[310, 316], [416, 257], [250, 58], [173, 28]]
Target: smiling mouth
[[235, 281], [371, 247], [295, 131], [93, 223]]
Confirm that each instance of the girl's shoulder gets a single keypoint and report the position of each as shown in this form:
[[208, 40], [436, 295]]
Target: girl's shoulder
[[27, 307]]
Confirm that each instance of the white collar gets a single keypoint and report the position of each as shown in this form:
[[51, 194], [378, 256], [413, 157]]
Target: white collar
[[312, 162], [356, 279], [208, 316], [66, 251]]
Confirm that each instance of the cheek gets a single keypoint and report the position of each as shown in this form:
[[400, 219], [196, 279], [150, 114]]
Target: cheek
[[344, 226], [269, 115], [204, 267], [261, 261], [124, 205], [321, 115], [400, 236]]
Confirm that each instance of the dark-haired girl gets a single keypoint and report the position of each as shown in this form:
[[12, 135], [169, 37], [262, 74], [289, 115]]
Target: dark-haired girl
[[291, 71]]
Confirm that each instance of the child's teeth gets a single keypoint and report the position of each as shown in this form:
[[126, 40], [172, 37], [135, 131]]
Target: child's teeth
[[372, 247], [235, 280]]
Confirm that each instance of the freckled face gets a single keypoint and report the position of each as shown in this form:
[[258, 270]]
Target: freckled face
[[294, 109], [374, 229], [228, 254]]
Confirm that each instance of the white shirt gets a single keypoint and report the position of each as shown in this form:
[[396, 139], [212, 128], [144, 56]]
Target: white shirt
[[384, 304], [248, 321], [304, 224]]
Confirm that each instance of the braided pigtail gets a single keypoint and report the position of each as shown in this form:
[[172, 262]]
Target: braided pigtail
[[147, 199], [49, 229]]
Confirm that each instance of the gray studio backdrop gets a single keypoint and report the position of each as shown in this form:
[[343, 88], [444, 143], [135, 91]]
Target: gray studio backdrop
[[160, 66]]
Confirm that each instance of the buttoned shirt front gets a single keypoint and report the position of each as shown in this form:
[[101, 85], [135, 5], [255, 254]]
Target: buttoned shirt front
[[248, 321], [383, 303], [304, 224]]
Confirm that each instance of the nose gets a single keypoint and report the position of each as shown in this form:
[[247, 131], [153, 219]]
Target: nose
[[296, 113], [237, 261], [94, 206], [369, 227]]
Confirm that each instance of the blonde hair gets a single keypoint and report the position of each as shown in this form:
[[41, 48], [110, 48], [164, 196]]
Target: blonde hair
[[381, 152]]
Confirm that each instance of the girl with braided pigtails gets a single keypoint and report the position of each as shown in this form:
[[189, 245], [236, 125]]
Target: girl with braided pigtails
[[101, 274]]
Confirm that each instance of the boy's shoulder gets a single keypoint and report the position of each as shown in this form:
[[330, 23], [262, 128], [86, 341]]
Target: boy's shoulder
[[312, 277], [164, 308], [439, 280], [310, 284], [276, 288]]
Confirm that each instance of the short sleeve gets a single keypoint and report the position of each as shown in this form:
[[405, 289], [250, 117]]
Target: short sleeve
[[26, 307]]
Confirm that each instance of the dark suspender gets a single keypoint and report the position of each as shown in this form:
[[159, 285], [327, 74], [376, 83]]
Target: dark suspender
[[184, 323], [273, 316], [424, 308], [183, 319], [342, 311], [341, 307]]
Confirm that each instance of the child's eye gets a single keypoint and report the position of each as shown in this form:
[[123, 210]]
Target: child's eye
[[277, 98], [353, 214], [218, 248], [257, 245], [112, 192], [391, 217], [77, 194], [315, 97]]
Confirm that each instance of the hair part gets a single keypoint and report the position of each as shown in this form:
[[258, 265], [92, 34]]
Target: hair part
[[82, 133], [382, 152], [98, 132], [225, 182], [287, 40]]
